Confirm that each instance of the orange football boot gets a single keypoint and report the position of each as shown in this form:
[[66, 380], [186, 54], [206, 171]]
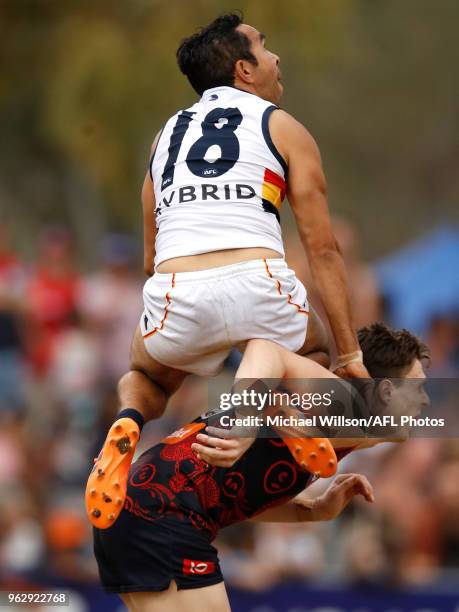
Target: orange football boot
[[315, 455], [107, 483]]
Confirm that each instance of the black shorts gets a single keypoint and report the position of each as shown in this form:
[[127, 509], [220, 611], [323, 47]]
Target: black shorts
[[139, 555]]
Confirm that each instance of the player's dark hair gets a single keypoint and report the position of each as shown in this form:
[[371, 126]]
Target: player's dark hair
[[208, 57], [389, 353]]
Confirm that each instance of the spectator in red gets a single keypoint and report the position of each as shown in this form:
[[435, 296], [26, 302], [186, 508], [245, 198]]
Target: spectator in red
[[52, 295]]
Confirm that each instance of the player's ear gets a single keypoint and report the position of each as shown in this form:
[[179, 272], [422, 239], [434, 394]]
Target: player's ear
[[384, 390], [243, 70]]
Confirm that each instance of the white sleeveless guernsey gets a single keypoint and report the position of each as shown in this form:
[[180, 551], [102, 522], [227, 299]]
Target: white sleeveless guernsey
[[219, 181]]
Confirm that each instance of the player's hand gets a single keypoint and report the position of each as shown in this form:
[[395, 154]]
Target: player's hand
[[353, 370], [220, 449], [345, 486]]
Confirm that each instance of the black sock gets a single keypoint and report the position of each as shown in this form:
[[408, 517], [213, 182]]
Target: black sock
[[133, 414]]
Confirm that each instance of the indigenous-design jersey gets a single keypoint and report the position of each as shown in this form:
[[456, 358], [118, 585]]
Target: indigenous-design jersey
[[169, 480], [218, 179]]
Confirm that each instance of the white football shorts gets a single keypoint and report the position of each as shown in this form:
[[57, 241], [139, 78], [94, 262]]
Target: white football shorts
[[192, 320]]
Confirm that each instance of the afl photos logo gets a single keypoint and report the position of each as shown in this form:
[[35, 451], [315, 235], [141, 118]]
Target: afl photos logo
[[191, 566]]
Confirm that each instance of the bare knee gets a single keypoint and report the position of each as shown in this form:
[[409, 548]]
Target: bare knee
[[260, 346], [262, 359], [168, 379]]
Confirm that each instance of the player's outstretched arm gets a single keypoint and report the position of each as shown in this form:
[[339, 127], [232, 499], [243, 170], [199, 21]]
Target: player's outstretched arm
[[325, 507], [149, 225], [307, 194]]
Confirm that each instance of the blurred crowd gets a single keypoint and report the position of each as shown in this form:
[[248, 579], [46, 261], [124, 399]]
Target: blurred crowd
[[64, 342]]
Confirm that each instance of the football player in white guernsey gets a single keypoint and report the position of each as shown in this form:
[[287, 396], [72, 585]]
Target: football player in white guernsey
[[218, 173]]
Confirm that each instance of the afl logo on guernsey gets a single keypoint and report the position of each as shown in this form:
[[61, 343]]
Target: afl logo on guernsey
[[191, 566]]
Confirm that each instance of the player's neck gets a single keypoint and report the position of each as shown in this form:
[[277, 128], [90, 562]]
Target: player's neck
[[246, 87], [252, 89]]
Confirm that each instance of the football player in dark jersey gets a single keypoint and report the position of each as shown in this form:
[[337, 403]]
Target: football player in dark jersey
[[158, 555]]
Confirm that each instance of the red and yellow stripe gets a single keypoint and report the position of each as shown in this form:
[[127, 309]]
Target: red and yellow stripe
[[274, 188]]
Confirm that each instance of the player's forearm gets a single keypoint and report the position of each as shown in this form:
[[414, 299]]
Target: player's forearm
[[329, 276], [309, 205], [307, 194]]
